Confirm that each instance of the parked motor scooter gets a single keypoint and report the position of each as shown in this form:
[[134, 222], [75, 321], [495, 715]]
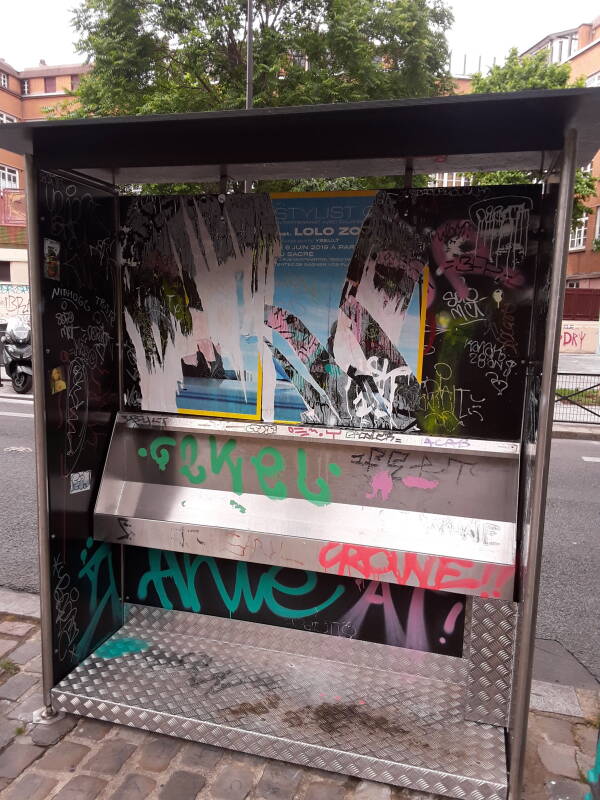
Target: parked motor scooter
[[16, 354]]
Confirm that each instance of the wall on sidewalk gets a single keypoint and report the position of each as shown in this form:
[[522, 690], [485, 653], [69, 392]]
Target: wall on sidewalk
[[579, 337], [14, 300]]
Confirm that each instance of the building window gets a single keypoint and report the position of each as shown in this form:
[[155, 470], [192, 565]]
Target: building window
[[49, 85], [4, 80], [6, 117], [579, 235], [593, 80], [449, 179], [5, 271], [25, 87], [572, 284], [75, 81], [9, 178]]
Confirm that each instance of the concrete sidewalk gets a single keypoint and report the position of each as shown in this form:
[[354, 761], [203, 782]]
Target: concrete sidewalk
[[575, 430], [39, 761]]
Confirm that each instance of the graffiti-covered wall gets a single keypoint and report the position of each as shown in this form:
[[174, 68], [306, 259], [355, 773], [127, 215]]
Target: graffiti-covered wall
[[399, 616], [80, 378], [413, 318], [396, 312], [14, 301], [579, 337]]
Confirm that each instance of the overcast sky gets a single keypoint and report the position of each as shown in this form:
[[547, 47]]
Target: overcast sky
[[35, 29]]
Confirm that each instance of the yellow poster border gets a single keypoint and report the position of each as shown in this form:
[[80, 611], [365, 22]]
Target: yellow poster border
[[231, 414]]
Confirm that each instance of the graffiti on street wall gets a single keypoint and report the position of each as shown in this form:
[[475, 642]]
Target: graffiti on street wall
[[79, 337], [400, 616], [413, 317], [198, 271], [579, 337], [14, 301]]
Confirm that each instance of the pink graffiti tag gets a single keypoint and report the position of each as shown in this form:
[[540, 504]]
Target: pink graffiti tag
[[381, 483], [450, 622], [414, 482]]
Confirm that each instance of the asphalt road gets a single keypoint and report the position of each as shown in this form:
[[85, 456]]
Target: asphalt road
[[569, 609], [18, 522]]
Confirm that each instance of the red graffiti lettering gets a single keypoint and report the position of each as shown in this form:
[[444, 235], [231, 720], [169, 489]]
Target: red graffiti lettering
[[427, 572]]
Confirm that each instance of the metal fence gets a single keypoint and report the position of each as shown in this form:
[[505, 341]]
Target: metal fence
[[577, 398]]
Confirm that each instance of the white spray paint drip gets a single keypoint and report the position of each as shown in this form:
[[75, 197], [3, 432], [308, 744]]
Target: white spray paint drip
[[380, 306], [346, 348], [269, 377], [218, 291]]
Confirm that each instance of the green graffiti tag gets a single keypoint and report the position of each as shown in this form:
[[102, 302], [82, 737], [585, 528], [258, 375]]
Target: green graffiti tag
[[190, 445], [268, 463], [279, 490], [219, 459], [268, 586]]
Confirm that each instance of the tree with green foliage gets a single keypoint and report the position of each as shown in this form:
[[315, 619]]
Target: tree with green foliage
[[518, 74], [165, 56], [526, 72], [168, 56]]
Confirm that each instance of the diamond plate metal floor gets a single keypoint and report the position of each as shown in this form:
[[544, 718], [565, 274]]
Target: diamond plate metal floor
[[233, 691]]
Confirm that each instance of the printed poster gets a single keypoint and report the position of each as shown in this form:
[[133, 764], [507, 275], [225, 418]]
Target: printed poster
[[346, 325]]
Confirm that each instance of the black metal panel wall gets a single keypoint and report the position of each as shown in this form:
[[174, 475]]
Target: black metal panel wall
[[80, 375]]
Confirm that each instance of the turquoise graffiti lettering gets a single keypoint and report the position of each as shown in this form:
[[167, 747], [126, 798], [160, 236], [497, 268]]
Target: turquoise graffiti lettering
[[278, 491], [99, 572], [184, 582], [267, 463], [116, 648]]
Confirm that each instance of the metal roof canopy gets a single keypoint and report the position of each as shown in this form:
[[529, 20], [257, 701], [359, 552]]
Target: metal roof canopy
[[479, 132]]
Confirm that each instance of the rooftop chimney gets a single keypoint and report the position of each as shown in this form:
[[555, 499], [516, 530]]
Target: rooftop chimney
[[584, 35]]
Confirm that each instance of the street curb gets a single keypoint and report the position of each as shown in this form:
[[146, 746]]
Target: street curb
[[576, 431], [25, 604]]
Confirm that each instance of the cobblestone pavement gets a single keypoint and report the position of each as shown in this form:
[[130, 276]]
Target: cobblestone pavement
[[81, 759]]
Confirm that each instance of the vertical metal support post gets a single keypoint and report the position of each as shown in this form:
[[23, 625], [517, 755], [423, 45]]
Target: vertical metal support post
[[250, 54], [409, 171], [249, 62], [39, 407], [120, 351], [119, 307], [531, 577]]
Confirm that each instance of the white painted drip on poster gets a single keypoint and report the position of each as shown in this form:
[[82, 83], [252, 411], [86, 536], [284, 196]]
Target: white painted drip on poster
[[382, 308], [217, 286], [505, 230], [346, 348], [269, 377]]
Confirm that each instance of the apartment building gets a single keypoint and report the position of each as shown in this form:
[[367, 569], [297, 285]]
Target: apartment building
[[24, 95], [580, 48]]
